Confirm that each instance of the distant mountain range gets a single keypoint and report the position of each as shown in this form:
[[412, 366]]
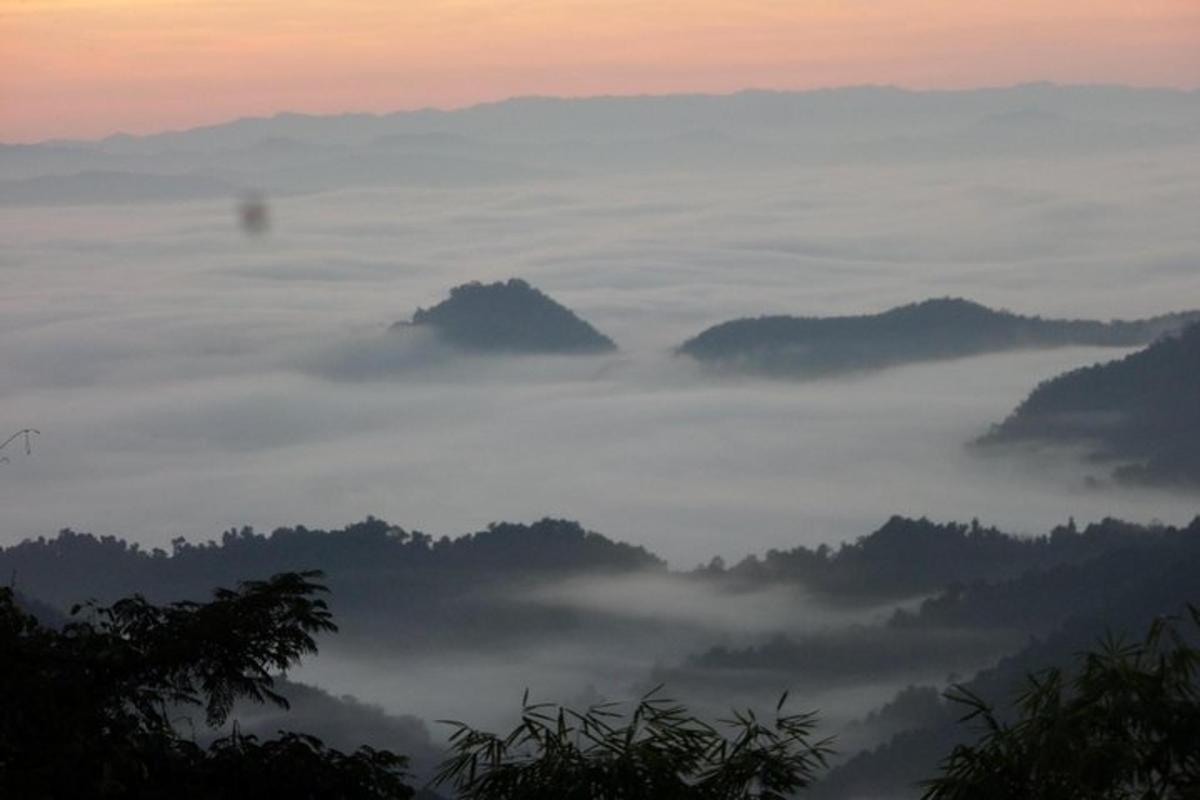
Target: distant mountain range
[[509, 317], [1142, 411], [798, 347], [540, 138], [1042, 106]]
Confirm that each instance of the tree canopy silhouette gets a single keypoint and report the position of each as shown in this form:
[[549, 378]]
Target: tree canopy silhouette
[[1125, 725], [95, 708]]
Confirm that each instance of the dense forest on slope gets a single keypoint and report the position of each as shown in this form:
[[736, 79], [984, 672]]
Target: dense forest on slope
[[510, 317], [1142, 411], [387, 582], [108, 691], [379, 571], [376, 568], [786, 346], [399, 588], [974, 621], [921, 728], [909, 557], [981, 596]]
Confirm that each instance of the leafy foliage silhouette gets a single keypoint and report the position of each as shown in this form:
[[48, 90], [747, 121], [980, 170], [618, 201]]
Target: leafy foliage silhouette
[[658, 751], [1125, 726], [93, 709]]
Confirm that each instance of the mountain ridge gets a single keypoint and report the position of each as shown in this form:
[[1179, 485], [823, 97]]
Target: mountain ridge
[[928, 330], [1020, 93], [1141, 412]]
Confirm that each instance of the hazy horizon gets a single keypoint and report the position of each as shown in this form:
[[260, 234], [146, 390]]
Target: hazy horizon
[[82, 68], [452, 108]]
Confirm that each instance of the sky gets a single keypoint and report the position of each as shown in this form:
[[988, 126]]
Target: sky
[[88, 68]]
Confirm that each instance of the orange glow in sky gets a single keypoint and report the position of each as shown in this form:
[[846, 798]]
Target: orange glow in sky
[[76, 68]]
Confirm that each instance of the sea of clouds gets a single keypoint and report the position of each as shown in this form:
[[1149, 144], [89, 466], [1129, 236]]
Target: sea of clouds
[[187, 377]]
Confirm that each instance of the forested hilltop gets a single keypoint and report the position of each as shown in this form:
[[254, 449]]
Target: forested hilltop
[[909, 557], [476, 588], [1082, 607], [1112, 573], [1141, 412], [978, 602], [991, 633], [787, 346], [387, 581], [903, 558], [509, 316]]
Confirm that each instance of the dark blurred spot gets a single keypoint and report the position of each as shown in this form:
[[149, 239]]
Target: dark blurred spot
[[253, 215]]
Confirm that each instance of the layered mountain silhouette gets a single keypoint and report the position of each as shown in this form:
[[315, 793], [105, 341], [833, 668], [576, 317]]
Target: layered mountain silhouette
[[545, 138], [509, 317], [1010, 603], [787, 346], [1143, 410]]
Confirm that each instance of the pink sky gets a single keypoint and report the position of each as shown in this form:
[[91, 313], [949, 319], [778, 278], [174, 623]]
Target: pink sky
[[83, 68]]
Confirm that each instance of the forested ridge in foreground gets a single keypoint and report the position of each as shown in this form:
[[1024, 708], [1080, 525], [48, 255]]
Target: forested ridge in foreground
[[95, 708], [936, 599]]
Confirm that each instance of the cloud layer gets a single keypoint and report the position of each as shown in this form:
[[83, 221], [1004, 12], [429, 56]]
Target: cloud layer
[[188, 378]]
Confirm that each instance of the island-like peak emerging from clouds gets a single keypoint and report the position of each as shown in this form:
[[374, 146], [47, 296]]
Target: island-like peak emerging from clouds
[[1143, 410], [511, 317], [930, 330]]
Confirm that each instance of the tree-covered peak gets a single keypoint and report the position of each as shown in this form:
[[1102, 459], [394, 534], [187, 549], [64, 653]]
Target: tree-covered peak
[[510, 316], [946, 308]]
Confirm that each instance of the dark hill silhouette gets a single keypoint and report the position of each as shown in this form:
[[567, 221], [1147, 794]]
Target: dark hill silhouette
[[910, 557], [343, 722], [510, 317], [944, 328], [1009, 627], [389, 585], [964, 621], [987, 593], [1117, 595], [1143, 410], [398, 588]]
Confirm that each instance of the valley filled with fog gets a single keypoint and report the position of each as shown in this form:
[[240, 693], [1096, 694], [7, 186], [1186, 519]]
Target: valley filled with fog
[[189, 377]]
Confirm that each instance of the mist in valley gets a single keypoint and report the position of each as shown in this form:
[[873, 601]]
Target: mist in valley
[[188, 377]]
